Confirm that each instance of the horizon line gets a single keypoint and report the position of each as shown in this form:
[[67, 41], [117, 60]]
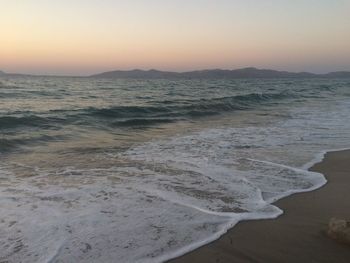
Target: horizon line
[[165, 71]]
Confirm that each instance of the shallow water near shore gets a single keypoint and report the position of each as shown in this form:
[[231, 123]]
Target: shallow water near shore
[[145, 170]]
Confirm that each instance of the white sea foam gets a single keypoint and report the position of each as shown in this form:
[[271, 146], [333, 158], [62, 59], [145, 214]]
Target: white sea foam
[[170, 196]]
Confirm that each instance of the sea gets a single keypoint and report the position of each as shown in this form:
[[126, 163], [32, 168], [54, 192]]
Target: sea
[[137, 170]]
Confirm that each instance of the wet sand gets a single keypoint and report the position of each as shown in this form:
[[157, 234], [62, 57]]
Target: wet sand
[[299, 235]]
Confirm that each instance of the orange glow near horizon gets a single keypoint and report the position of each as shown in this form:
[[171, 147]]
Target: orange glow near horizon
[[83, 37]]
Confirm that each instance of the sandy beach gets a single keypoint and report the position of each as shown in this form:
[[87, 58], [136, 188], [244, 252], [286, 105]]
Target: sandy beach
[[299, 235]]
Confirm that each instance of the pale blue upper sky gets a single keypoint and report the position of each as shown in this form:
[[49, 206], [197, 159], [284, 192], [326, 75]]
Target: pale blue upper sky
[[85, 36]]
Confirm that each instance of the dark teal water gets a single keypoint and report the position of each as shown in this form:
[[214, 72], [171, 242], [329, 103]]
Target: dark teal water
[[41, 109]]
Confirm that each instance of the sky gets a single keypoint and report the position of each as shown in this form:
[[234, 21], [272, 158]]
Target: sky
[[81, 37]]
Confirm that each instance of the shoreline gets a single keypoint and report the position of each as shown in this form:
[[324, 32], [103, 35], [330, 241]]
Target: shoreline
[[298, 235]]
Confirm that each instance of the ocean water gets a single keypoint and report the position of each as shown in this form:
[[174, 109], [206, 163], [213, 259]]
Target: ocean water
[[101, 170]]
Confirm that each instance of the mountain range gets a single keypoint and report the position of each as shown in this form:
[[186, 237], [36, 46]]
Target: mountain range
[[217, 74], [250, 72]]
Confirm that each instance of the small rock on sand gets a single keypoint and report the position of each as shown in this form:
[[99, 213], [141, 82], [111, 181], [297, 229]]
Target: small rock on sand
[[339, 230]]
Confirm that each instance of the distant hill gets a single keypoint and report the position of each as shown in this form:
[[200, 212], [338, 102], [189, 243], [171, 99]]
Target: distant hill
[[338, 74], [216, 74], [2, 73]]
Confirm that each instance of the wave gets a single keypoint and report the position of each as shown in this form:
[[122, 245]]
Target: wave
[[11, 122], [162, 111], [141, 122], [144, 115], [10, 144], [7, 145]]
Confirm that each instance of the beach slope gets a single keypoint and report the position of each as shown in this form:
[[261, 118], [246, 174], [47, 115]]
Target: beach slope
[[299, 235]]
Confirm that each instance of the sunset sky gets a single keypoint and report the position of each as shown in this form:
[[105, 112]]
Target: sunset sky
[[88, 36]]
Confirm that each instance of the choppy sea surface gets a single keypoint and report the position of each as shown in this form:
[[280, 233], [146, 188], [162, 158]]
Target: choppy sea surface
[[102, 170]]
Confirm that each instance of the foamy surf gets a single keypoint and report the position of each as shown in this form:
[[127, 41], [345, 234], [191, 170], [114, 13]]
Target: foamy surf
[[84, 207], [54, 216]]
